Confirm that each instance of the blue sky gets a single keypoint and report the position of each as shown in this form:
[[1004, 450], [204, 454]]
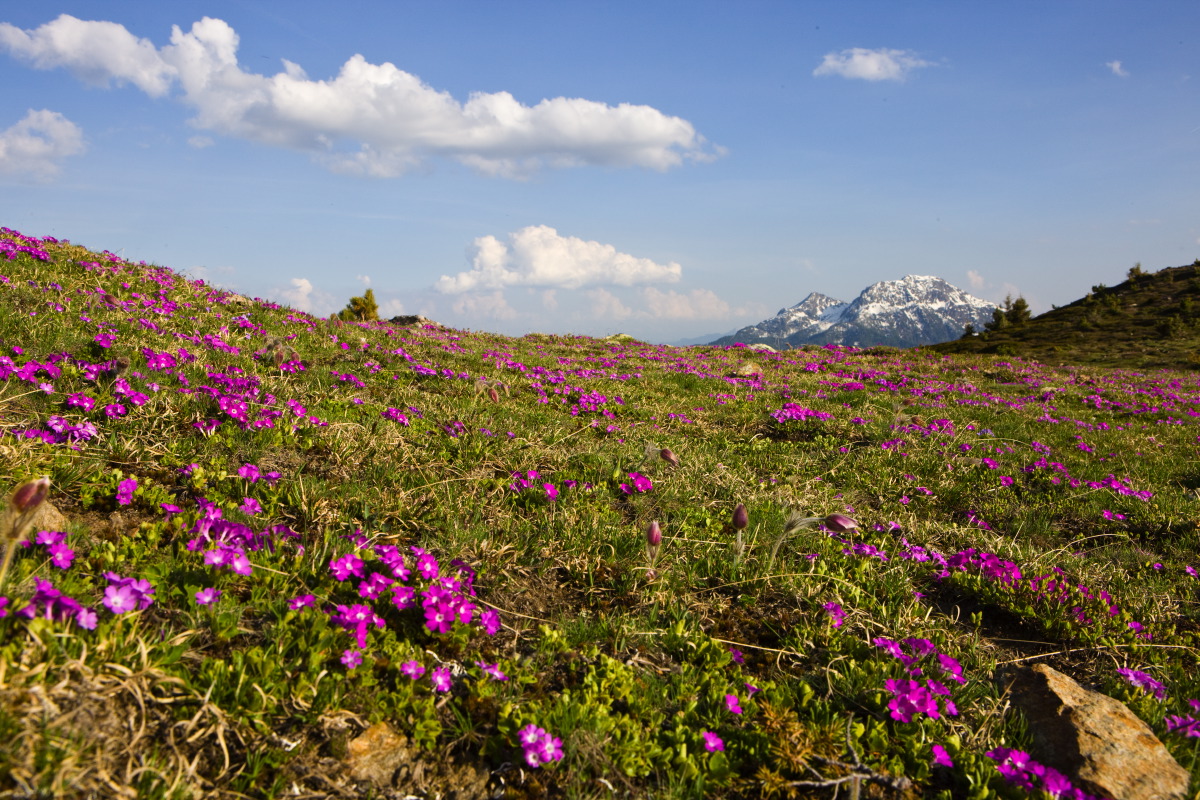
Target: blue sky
[[669, 170]]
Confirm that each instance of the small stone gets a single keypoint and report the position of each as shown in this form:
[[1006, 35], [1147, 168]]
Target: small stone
[[1094, 739], [43, 518], [376, 754]]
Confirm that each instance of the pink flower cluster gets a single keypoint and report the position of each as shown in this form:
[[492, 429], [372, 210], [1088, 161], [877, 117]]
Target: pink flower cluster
[[1185, 725], [540, 747], [228, 541], [50, 603], [61, 556], [912, 697], [445, 599], [1144, 682], [792, 411], [1019, 769], [127, 594], [640, 484]]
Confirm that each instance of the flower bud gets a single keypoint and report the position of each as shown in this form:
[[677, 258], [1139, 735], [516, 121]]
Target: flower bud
[[493, 395], [653, 540], [740, 518], [667, 455], [840, 523], [31, 494]]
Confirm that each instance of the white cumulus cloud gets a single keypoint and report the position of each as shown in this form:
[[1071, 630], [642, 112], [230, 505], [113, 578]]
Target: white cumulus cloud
[[538, 256], [696, 304], [370, 119], [481, 306], [975, 279], [298, 296], [606, 305], [1117, 69], [305, 297], [97, 52], [870, 65], [391, 307], [38, 143]]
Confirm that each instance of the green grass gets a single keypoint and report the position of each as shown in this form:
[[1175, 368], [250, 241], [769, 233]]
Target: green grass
[[995, 464]]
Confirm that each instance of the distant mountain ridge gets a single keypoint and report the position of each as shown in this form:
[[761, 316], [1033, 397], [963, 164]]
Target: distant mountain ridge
[[915, 310]]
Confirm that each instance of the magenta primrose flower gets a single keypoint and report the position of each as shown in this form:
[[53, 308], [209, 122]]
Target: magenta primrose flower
[[208, 596], [712, 742], [492, 670], [412, 669], [1187, 726], [439, 617], [347, 565], [249, 472], [490, 620], [119, 599], [125, 490], [731, 702], [440, 678], [540, 747], [837, 615], [127, 594], [303, 601], [640, 484], [1144, 682], [1019, 769], [940, 757], [912, 698], [351, 658]]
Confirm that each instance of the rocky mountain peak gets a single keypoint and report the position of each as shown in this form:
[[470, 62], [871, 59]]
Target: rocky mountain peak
[[911, 311]]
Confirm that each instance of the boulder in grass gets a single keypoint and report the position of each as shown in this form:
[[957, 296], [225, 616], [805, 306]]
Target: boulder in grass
[[1094, 739], [409, 320]]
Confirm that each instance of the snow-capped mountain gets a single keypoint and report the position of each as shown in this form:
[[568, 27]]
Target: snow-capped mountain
[[914, 310]]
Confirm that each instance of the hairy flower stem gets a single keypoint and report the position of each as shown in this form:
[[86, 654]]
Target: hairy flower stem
[[791, 526]]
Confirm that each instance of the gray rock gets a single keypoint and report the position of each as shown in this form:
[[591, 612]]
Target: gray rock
[[1094, 739], [412, 319]]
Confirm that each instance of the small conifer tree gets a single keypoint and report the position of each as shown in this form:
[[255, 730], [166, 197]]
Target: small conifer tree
[[360, 309], [1018, 312], [999, 317]]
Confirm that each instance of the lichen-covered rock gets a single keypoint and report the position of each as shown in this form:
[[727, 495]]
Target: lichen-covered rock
[[1094, 739], [395, 768]]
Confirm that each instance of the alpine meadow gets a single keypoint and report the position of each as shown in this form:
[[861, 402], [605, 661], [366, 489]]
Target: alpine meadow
[[250, 552]]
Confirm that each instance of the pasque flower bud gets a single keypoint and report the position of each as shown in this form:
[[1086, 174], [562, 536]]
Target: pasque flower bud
[[24, 501], [840, 523], [653, 534], [740, 518], [653, 540], [30, 495], [667, 455]]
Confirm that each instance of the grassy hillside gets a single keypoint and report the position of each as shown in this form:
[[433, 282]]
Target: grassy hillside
[[1149, 321], [309, 559]]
